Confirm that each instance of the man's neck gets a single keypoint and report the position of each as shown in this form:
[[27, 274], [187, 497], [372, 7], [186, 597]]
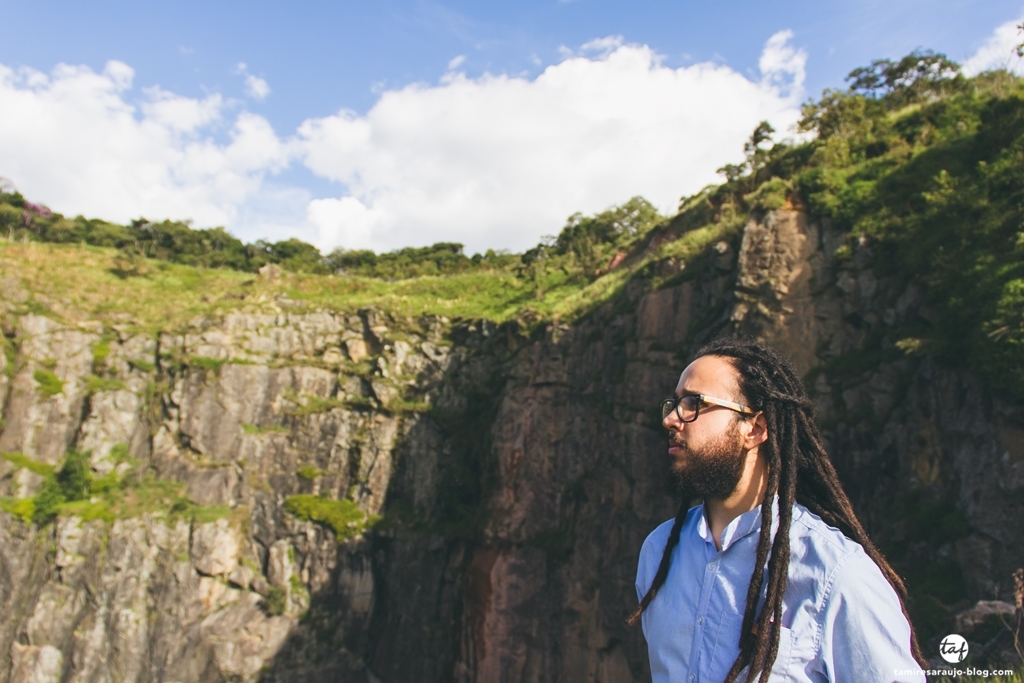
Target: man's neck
[[748, 495]]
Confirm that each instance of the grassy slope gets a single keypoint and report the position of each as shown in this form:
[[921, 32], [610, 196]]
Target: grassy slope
[[75, 283]]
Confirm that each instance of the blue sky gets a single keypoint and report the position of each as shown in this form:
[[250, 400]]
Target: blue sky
[[339, 127]]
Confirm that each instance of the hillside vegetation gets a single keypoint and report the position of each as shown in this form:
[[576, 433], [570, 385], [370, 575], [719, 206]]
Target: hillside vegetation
[[914, 158]]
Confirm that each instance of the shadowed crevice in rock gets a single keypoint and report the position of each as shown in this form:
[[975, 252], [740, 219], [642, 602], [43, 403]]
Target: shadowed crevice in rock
[[398, 590]]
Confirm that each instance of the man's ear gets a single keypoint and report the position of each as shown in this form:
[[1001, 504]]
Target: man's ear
[[756, 432]]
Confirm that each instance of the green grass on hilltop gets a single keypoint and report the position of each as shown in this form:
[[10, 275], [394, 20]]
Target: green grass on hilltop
[[170, 295], [562, 277], [75, 283], [559, 280]]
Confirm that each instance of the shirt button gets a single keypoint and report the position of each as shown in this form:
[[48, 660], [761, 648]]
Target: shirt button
[[693, 677], [700, 620]]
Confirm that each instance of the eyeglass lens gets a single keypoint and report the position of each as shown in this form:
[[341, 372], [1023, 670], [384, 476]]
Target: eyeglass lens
[[687, 408]]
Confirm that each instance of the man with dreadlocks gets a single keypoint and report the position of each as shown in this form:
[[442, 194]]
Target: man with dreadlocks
[[772, 577]]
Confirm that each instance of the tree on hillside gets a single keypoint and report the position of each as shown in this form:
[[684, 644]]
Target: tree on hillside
[[907, 80], [753, 148]]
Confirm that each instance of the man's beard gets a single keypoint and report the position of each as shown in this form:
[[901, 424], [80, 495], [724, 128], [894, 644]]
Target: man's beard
[[713, 472]]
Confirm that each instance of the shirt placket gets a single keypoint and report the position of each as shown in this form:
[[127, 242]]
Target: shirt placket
[[713, 559]]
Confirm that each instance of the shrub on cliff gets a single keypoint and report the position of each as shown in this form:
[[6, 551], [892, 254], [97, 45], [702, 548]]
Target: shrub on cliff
[[75, 489], [342, 516], [70, 483], [48, 383]]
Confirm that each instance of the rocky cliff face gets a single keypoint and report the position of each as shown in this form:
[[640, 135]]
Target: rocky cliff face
[[515, 476]]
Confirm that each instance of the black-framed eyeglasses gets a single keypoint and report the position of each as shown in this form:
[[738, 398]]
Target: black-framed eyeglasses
[[687, 407]]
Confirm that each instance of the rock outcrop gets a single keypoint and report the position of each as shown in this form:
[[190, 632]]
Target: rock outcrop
[[515, 476]]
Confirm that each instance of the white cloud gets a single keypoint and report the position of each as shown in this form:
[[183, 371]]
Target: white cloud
[[181, 114], [493, 162], [998, 52], [345, 221], [255, 87], [603, 46], [497, 161], [456, 62], [782, 65], [75, 140]]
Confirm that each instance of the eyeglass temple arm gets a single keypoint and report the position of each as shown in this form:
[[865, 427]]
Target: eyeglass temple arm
[[726, 404]]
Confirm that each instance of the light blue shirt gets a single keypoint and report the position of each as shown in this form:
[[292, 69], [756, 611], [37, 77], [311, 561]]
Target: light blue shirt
[[841, 620]]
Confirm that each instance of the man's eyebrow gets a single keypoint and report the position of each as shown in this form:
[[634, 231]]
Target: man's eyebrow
[[686, 392]]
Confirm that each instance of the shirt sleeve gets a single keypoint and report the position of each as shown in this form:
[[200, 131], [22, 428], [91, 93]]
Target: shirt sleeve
[[864, 635], [650, 558], [642, 571]]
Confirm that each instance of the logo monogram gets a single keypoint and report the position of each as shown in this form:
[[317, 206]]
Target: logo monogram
[[953, 648]]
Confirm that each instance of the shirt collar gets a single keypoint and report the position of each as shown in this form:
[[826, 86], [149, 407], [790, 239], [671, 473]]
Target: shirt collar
[[744, 525]]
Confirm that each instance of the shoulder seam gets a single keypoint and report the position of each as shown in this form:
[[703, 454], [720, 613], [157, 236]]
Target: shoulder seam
[[825, 537]]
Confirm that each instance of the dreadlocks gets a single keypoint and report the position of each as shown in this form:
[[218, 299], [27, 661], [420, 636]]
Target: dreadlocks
[[799, 470]]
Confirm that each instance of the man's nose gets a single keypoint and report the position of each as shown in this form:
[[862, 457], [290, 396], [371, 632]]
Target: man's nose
[[672, 422]]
